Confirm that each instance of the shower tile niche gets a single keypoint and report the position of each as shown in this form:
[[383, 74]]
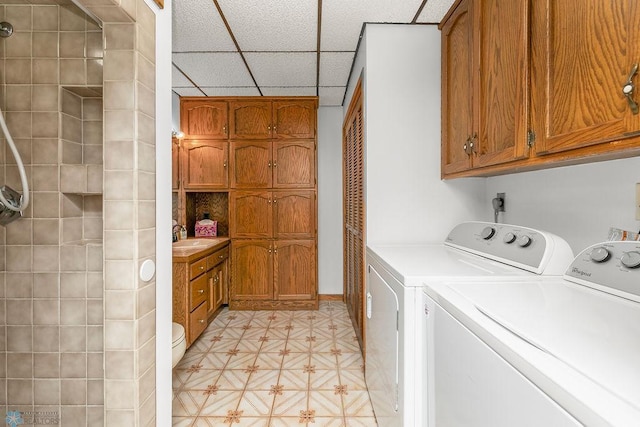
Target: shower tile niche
[[81, 170]]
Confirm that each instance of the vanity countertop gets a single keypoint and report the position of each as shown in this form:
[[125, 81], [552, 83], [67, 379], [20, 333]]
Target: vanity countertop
[[194, 248]]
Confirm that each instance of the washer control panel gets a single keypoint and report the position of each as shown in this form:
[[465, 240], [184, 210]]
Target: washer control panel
[[519, 246], [611, 266]]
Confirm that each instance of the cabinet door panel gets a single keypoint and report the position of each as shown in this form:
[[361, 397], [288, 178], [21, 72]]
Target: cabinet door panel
[[294, 164], [250, 119], [294, 270], [251, 164], [294, 214], [252, 270], [251, 214], [204, 119], [294, 119], [577, 80], [456, 89], [501, 86], [205, 164]]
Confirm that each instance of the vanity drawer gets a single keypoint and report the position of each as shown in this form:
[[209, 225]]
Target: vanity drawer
[[197, 322], [199, 291], [217, 257], [197, 268]]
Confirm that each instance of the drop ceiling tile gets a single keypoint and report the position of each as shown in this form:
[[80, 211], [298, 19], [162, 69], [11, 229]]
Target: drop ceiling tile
[[289, 91], [273, 25], [331, 96], [283, 69], [214, 69], [187, 91], [197, 26], [335, 68], [231, 91], [178, 79], [434, 11], [342, 20]]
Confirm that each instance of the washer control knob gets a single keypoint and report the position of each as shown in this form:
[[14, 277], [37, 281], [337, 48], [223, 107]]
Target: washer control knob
[[524, 241], [631, 259], [488, 232], [600, 254], [509, 238]]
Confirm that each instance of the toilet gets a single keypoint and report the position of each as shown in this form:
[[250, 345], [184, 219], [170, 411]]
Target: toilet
[[179, 344]]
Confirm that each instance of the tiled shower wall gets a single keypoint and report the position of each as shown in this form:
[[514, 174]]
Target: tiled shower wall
[[77, 331]]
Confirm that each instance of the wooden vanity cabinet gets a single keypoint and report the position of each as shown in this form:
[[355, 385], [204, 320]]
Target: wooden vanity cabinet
[[200, 286]]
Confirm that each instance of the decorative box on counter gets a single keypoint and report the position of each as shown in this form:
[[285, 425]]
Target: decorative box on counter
[[206, 227]]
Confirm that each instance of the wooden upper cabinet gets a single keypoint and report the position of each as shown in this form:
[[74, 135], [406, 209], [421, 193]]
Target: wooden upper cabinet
[[485, 84], [294, 270], [251, 164], [204, 119], [501, 83], [457, 119], [205, 165], [294, 164], [294, 214], [250, 119], [294, 119], [583, 53], [252, 270]]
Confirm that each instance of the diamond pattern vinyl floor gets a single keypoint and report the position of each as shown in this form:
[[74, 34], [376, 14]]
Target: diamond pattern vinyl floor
[[274, 368]]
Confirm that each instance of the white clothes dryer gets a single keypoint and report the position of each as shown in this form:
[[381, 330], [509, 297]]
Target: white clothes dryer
[[395, 336], [559, 352]]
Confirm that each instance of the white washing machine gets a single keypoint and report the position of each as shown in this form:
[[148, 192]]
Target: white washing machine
[[560, 352], [395, 336]]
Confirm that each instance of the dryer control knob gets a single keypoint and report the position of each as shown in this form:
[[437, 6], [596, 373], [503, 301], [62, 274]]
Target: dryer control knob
[[524, 241], [631, 259], [509, 238], [488, 232], [600, 254]]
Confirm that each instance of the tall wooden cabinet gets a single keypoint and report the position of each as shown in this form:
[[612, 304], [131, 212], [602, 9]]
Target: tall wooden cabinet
[[529, 93], [262, 153]]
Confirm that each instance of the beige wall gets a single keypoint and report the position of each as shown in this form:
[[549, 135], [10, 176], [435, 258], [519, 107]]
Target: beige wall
[[72, 302]]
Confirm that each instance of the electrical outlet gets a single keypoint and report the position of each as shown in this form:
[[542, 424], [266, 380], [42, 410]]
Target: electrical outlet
[[638, 201]]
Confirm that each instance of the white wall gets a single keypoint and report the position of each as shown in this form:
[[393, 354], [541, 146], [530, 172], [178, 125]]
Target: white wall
[[330, 271], [406, 200], [578, 203]]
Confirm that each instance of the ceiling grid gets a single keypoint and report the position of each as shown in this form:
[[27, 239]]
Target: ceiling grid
[[279, 48]]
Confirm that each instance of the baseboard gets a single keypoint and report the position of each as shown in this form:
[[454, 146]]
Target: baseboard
[[331, 297]]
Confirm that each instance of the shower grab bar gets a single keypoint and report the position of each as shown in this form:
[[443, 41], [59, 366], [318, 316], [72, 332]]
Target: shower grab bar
[[24, 200]]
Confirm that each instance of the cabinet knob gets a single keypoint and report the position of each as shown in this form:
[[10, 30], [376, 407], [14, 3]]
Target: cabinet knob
[[215, 279], [269, 127], [220, 256], [224, 164], [201, 291], [269, 164], [224, 128], [275, 200], [627, 90], [275, 164], [201, 267], [201, 320]]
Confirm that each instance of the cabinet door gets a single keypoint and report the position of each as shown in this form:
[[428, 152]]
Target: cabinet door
[[251, 164], [215, 289], [294, 164], [175, 164], [583, 54], [500, 82], [251, 214], [294, 119], [250, 119], [252, 270], [204, 119], [294, 214], [205, 164], [456, 89], [294, 270]]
